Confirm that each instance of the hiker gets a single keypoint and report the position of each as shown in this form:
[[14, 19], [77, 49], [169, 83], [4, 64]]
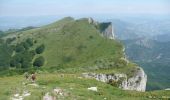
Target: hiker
[[33, 77]]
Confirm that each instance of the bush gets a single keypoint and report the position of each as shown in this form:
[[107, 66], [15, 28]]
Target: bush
[[13, 63], [19, 48], [26, 45], [9, 40], [22, 60], [25, 64], [67, 59], [5, 55], [30, 41], [38, 62], [40, 49]]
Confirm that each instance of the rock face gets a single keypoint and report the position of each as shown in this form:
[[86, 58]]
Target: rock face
[[106, 28], [91, 21], [137, 82]]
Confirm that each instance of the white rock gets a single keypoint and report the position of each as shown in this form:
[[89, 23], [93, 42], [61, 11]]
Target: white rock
[[16, 95], [34, 84], [25, 94], [92, 89], [47, 97], [167, 89], [59, 91], [16, 98], [137, 82], [79, 77]]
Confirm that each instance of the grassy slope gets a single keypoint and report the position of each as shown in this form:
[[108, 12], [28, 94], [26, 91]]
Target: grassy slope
[[74, 86], [71, 45], [74, 42]]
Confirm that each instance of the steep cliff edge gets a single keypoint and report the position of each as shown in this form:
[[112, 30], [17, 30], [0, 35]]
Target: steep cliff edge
[[106, 28], [136, 82]]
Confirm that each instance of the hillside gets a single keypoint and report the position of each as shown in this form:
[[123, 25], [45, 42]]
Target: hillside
[[73, 57], [69, 43], [72, 86]]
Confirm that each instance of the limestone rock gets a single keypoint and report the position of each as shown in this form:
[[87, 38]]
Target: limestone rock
[[137, 82], [108, 32], [92, 88], [106, 29]]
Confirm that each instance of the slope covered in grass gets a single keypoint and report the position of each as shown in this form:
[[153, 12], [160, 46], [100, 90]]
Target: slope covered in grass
[[70, 43], [61, 52], [73, 86]]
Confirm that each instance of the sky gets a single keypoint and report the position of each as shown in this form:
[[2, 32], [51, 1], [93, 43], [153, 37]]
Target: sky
[[82, 7]]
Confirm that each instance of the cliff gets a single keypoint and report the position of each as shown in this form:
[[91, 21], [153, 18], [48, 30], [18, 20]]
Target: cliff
[[106, 28], [136, 82]]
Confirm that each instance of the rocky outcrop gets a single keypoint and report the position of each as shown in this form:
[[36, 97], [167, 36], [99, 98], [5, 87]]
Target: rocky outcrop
[[106, 28], [137, 82], [91, 21]]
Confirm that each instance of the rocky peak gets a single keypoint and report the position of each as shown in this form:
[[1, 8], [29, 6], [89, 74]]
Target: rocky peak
[[106, 28], [91, 21]]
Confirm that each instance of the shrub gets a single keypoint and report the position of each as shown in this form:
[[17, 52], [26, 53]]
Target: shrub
[[38, 62], [25, 64], [9, 40], [80, 47], [22, 60], [33, 53], [91, 37], [26, 45], [67, 59], [13, 63], [30, 41], [19, 48], [5, 55], [40, 49]]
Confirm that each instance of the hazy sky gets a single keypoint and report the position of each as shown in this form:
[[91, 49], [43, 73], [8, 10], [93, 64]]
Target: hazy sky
[[78, 7]]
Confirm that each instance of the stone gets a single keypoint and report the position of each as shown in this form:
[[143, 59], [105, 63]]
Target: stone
[[168, 89], [48, 97], [108, 31], [93, 89], [137, 82]]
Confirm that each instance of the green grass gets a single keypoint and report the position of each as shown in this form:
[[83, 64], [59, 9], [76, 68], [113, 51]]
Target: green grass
[[74, 86], [73, 43], [71, 48]]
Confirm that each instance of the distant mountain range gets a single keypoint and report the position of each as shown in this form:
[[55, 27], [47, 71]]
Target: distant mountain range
[[147, 43], [126, 29], [154, 57]]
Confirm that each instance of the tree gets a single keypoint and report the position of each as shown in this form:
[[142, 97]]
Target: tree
[[9, 40], [30, 41], [13, 63], [19, 48], [26, 64], [40, 49], [38, 62], [26, 45]]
